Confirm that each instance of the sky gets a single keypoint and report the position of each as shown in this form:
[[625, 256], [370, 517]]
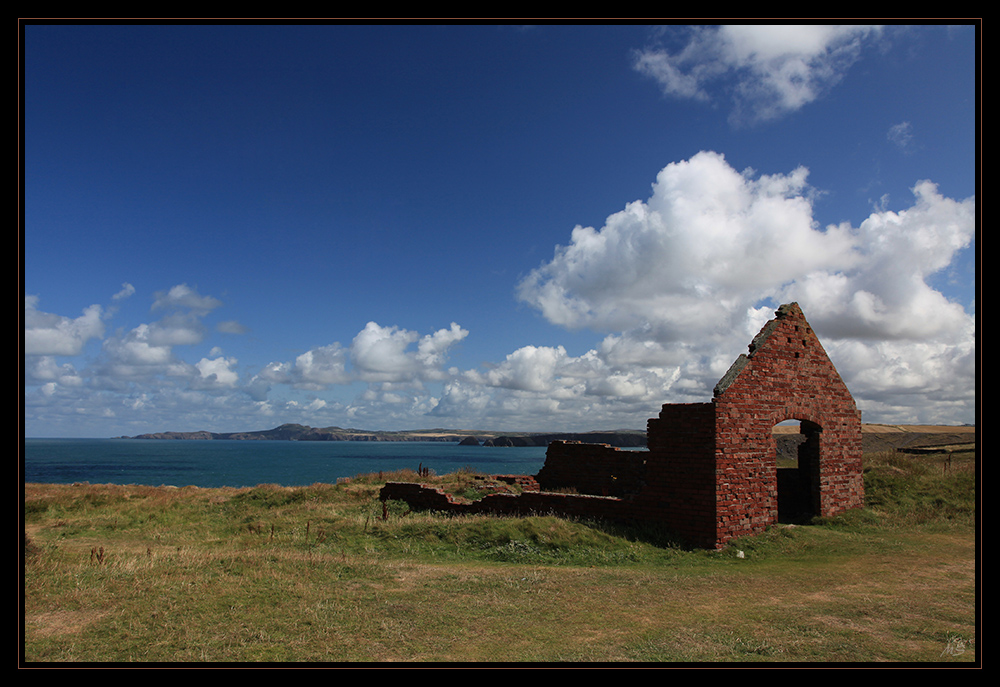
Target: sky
[[521, 228]]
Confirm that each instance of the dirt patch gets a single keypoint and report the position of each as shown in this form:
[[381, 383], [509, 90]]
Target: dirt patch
[[57, 623]]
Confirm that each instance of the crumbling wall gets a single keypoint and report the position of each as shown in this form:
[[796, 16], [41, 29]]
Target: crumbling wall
[[424, 497], [710, 472], [786, 375], [680, 471], [596, 469], [526, 482]]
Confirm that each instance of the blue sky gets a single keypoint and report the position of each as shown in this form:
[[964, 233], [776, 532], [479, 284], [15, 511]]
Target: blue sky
[[496, 227]]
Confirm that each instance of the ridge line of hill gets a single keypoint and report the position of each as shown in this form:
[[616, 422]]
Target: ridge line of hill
[[296, 432], [619, 437]]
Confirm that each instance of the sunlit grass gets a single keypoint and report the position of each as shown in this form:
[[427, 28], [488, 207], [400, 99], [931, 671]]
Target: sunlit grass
[[326, 573]]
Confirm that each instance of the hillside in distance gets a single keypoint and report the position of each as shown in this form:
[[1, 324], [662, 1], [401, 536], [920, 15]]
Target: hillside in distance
[[874, 437], [296, 432]]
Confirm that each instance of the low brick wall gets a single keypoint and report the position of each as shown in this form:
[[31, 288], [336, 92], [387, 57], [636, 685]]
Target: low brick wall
[[425, 497], [526, 482]]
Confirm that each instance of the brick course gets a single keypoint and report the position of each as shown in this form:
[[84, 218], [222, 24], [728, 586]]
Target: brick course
[[709, 473]]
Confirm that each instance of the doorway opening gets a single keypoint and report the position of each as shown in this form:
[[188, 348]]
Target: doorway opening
[[798, 485]]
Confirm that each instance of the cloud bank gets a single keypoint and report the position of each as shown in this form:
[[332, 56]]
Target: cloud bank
[[675, 285]]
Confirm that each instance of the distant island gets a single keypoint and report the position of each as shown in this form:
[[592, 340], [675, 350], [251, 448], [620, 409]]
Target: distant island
[[295, 432]]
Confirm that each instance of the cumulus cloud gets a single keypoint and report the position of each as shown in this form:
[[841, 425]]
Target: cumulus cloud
[[178, 329], [884, 294], [147, 350], [139, 355], [381, 354], [530, 368], [217, 372], [49, 334], [377, 355], [676, 284], [315, 369], [708, 241], [45, 370], [681, 281], [136, 348], [768, 71], [544, 387]]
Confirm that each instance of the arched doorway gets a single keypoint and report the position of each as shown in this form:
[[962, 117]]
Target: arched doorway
[[798, 484]]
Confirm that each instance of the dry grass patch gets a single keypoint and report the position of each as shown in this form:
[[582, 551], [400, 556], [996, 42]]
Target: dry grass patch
[[58, 623]]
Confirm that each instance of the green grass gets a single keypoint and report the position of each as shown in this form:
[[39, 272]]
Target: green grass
[[323, 573]]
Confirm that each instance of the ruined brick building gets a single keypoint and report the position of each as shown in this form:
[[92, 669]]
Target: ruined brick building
[[709, 473]]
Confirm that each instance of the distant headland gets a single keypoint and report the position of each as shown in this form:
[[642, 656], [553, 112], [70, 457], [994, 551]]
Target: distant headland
[[296, 432], [874, 437]]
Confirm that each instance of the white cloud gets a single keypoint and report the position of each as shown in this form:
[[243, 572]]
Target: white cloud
[[885, 294], [136, 355], [177, 329], [136, 349], [682, 281], [127, 290], [218, 372], [381, 354], [677, 284], [183, 296], [706, 243], [48, 334], [543, 387], [143, 353], [378, 355], [767, 70], [432, 349], [530, 368], [321, 367], [45, 370], [315, 369]]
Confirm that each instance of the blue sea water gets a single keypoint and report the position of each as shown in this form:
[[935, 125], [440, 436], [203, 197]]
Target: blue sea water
[[249, 463]]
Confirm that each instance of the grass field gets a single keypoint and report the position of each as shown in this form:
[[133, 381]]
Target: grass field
[[324, 574]]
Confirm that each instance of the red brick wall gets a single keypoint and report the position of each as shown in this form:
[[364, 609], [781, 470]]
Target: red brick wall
[[680, 471], [526, 482], [423, 497], [596, 469], [786, 375], [710, 472]]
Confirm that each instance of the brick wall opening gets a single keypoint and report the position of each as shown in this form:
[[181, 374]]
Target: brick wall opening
[[798, 486]]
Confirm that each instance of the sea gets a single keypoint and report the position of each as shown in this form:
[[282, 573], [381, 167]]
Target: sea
[[215, 463]]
